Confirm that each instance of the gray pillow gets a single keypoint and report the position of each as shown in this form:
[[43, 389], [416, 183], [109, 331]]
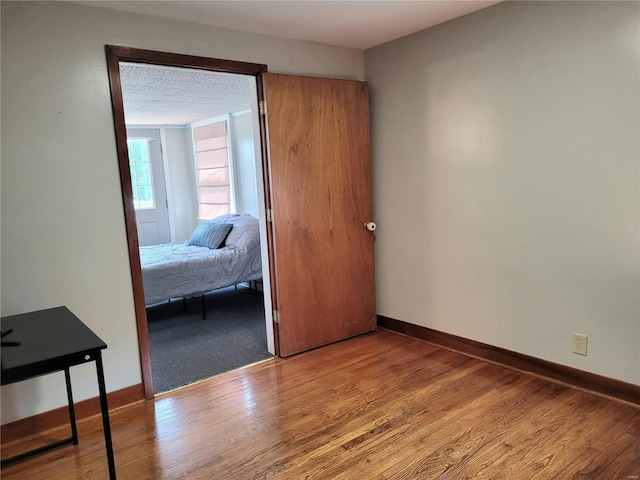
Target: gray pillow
[[210, 235]]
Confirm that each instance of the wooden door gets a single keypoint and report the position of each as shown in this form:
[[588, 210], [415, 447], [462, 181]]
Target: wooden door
[[319, 171]]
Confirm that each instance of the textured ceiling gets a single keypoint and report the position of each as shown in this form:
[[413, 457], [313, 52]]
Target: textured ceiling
[[155, 95]]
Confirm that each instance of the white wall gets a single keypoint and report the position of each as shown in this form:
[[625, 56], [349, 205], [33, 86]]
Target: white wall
[[506, 180], [183, 201], [63, 238], [244, 163]]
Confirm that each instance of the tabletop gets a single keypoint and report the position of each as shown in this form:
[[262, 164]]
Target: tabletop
[[49, 340]]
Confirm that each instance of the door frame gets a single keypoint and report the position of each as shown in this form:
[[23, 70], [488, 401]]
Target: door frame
[[115, 55]]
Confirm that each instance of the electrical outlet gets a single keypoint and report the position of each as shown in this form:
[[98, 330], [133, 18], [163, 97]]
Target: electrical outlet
[[580, 344]]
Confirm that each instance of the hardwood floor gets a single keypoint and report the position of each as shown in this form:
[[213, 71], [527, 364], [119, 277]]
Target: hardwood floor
[[378, 406]]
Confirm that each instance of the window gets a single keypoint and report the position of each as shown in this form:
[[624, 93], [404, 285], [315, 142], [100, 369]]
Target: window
[[212, 171], [141, 175]]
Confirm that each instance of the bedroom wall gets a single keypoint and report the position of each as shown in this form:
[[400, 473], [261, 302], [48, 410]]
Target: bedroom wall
[[244, 162], [183, 202], [506, 180], [62, 228]]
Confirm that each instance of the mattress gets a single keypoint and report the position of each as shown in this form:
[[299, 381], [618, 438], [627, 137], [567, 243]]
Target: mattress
[[178, 269]]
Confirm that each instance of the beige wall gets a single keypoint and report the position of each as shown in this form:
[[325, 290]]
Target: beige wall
[[506, 180], [63, 238]]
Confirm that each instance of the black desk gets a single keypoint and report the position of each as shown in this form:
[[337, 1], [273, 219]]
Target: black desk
[[54, 340]]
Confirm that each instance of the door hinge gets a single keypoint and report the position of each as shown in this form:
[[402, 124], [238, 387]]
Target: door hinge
[[276, 316], [262, 106], [269, 215]]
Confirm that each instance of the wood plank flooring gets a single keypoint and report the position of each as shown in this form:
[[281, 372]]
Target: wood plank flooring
[[380, 406]]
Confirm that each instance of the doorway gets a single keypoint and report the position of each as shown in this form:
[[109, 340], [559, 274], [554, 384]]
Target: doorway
[[179, 227], [314, 143]]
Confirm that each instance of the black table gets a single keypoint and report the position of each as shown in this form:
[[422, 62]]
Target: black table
[[53, 340]]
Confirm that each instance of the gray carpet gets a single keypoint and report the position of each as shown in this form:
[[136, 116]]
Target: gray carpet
[[185, 348]]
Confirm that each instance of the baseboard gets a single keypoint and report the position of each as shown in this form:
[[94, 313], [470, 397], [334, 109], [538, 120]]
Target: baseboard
[[60, 416], [592, 382]]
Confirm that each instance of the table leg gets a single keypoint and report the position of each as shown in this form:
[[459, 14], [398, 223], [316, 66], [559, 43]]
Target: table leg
[[72, 412], [74, 429], [105, 417]]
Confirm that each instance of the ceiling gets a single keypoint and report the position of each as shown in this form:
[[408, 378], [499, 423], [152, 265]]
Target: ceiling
[[155, 95], [171, 96], [355, 24]]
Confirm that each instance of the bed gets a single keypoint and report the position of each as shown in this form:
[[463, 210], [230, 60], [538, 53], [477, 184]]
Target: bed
[[177, 269]]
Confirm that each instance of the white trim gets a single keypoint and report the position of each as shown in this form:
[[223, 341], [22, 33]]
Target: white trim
[[248, 110], [194, 173], [233, 206], [186, 125], [207, 121], [262, 220], [148, 139]]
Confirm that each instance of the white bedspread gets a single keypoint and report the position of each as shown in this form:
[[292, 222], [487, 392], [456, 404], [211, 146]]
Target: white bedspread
[[177, 269]]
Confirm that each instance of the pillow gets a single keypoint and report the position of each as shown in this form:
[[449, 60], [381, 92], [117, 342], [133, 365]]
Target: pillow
[[210, 235], [245, 233]]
